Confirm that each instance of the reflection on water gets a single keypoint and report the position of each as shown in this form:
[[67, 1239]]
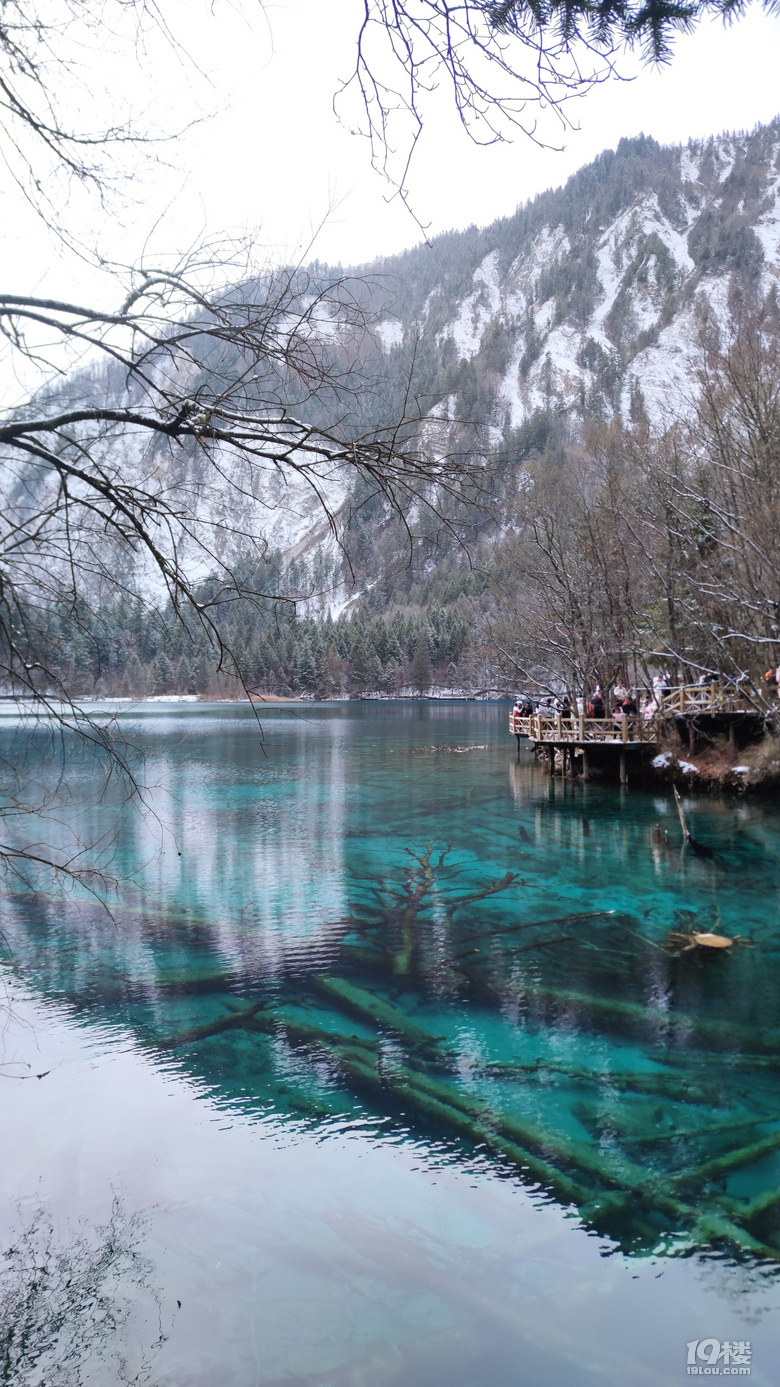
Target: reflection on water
[[382, 923], [66, 1305]]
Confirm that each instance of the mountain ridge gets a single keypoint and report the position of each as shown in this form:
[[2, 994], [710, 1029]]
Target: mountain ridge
[[593, 283], [582, 307]]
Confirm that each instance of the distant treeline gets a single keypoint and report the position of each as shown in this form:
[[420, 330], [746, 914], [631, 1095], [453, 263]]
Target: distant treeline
[[267, 646]]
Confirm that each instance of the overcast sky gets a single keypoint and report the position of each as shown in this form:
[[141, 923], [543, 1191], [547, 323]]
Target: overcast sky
[[270, 156]]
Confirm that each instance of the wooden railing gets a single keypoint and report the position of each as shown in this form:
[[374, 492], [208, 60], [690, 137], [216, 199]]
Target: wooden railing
[[707, 698], [684, 701], [557, 727]]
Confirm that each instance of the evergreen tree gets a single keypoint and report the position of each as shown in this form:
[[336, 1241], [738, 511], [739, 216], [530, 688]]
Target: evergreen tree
[[391, 677], [202, 673], [359, 673], [184, 679], [373, 671], [162, 674], [134, 682], [324, 685], [393, 647], [421, 666], [306, 669]]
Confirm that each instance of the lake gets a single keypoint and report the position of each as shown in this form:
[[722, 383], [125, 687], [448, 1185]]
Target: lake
[[381, 1068]]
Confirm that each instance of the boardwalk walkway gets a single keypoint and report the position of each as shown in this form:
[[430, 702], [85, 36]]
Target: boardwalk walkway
[[713, 706]]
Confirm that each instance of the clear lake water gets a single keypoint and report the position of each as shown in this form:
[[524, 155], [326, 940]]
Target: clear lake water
[[394, 1049]]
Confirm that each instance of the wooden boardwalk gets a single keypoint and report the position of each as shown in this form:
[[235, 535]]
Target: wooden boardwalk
[[717, 706]]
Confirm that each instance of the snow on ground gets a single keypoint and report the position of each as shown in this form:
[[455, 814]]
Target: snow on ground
[[725, 157], [291, 513], [390, 333], [609, 258], [549, 245], [477, 310], [767, 229], [164, 698], [689, 165], [664, 371]]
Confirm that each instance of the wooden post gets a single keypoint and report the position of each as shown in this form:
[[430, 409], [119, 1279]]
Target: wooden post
[[691, 738], [732, 736], [585, 764], [623, 768], [624, 729], [582, 727], [681, 812], [551, 759]]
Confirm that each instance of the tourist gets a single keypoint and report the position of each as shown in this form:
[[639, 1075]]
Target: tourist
[[629, 707]]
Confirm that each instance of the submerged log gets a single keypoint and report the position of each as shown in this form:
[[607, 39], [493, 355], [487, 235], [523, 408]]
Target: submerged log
[[732, 1160], [708, 1059], [714, 1227], [537, 1152], [533, 1150], [234, 1021], [436, 1107], [711, 1129], [756, 1208], [624, 1080], [500, 930], [638, 1019], [346, 996]]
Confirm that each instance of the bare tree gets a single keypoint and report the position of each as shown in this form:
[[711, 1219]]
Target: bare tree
[[571, 581], [718, 471], [162, 429], [502, 62], [158, 464], [648, 548]]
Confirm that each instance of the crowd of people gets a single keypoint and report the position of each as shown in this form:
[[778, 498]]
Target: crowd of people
[[621, 702]]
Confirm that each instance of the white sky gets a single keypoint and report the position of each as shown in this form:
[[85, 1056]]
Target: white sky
[[271, 157]]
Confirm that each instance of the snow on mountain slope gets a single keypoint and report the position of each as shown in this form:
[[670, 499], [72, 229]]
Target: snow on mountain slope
[[595, 287], [586, 301]]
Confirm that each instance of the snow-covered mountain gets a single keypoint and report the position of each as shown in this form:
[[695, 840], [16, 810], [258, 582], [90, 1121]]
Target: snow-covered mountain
[[586, 303], [583, 304], [589, 293]]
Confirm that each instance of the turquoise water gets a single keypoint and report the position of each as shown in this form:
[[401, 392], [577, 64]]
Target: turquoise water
[[386, 1034]]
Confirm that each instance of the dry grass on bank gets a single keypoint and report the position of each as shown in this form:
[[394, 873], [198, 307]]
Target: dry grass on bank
[[716, 766]]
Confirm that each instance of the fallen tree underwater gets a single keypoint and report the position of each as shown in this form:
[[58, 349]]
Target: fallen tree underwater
[[647, 1176]]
